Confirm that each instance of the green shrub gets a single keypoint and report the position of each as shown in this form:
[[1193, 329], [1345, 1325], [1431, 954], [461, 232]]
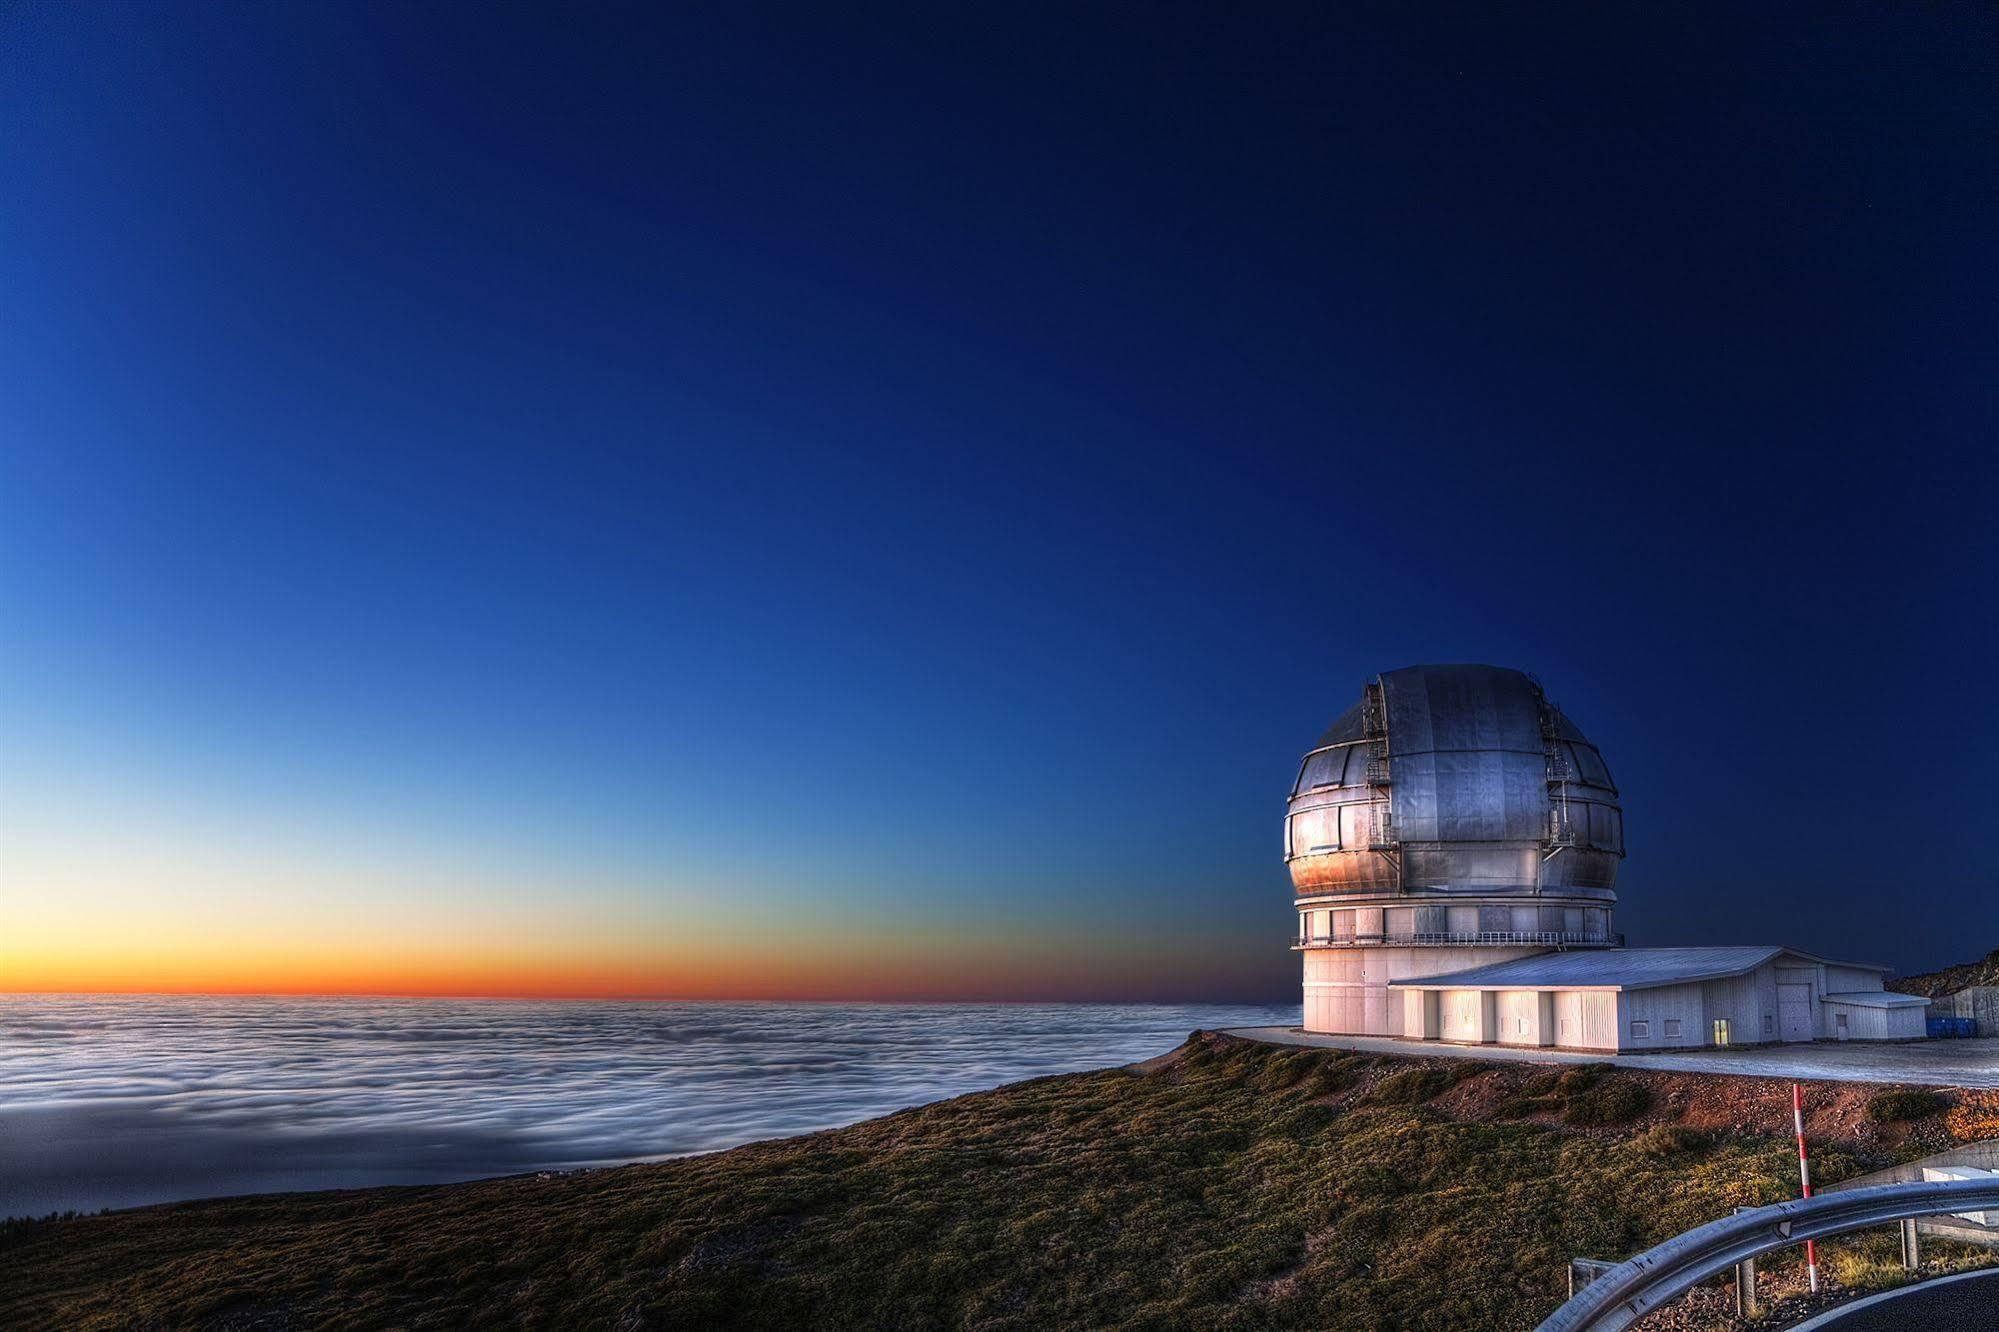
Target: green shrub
[[1410, 1087], [1519, 1107], [1609, 1103], [1541, 1084], [1580, 1078], [1333, 1075], [1670, 1140], [1903, 1103], [1287, 1070]]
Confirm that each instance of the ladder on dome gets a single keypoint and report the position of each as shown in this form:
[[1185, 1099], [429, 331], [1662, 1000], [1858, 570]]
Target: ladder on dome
[[1381, 836], [1561, 833]]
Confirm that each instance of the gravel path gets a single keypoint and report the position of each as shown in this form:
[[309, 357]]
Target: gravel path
[[1972, 1063]]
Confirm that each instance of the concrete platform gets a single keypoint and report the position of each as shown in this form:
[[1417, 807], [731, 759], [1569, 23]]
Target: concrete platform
[[1971, 1063]]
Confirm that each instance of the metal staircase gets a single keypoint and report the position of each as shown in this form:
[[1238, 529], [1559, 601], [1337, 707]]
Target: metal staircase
[[1561, 833], [1381, 835]]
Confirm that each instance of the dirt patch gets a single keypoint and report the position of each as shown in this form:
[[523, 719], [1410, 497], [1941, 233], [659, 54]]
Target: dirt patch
[[1159, 1064], [1480, 1096]]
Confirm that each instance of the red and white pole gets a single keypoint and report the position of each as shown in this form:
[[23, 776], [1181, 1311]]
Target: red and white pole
[[1805, 1180]]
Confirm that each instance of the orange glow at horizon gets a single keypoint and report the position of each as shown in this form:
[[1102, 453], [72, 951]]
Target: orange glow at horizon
[[176, 907], [852, 970], [949, 979]]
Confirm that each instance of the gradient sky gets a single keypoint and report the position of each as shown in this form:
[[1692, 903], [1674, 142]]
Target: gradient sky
[[857, 501]]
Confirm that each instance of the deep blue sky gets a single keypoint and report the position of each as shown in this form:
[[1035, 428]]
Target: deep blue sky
[[915, 479]]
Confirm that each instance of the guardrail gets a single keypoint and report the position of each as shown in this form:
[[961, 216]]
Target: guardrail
[[1544, 938], [1661, 1275]]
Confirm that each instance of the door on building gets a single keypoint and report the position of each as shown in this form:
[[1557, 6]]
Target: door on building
[[1794, 1012]]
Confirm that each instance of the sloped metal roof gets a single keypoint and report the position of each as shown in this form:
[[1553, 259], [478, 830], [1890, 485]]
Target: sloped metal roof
[[1877, 999], [1613, 969]]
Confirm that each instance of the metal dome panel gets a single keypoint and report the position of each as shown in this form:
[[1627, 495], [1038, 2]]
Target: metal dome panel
[[1457, 778]]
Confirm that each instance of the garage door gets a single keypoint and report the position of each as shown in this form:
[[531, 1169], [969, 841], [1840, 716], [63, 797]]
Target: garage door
[[1794, 1012]]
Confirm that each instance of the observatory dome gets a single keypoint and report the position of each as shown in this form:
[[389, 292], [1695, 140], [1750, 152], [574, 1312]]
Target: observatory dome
[[1454, 781]]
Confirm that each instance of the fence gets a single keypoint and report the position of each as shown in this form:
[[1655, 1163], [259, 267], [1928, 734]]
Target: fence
[[1661, 1275], [1479, 938]]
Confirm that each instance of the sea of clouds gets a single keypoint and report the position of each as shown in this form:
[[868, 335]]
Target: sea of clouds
[[119, 1101]]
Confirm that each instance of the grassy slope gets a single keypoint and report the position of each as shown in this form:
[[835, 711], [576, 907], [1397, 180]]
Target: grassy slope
[[1233, 1185]]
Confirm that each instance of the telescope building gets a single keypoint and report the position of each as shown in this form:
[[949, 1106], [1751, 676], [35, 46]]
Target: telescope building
[[1453, 841]]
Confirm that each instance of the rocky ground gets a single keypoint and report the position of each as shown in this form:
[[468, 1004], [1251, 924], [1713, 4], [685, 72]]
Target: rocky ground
[[1950, 980]]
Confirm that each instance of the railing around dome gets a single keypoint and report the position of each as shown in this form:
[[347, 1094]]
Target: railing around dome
[[1474, 939]]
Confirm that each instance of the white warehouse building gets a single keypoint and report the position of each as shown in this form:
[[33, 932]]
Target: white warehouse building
[[1453, 843], [1658, 998]]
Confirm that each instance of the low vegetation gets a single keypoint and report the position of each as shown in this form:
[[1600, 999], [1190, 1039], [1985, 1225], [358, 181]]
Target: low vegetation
[[1412, 1086], [1671, 1140], [1573, 1081], [1608, 1103], [1227, 1185], [1579, 1096], [1903, 1103], [1974, 1118]]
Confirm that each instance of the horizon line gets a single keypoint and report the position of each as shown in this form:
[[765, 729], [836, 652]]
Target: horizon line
[[614, 998]]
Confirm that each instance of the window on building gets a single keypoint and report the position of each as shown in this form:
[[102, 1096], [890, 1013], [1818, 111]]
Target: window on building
[[1322, 770], [1589, 765], [1640, 1029], [1605, 826], [1315, 831], [1769, 1025], [1672, 1026], [1840, 1018]]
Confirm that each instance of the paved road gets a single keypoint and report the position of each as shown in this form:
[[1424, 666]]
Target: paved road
[[1973, 1063], [1953, 1304]]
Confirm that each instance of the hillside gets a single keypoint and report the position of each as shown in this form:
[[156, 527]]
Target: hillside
[[1950, 980], [1227, 1184]]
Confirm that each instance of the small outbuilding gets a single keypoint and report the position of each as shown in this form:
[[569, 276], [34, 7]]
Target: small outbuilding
[[1626, 999]]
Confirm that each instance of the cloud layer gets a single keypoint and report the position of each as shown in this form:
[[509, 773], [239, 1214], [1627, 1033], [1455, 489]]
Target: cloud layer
[[116, 1101]]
